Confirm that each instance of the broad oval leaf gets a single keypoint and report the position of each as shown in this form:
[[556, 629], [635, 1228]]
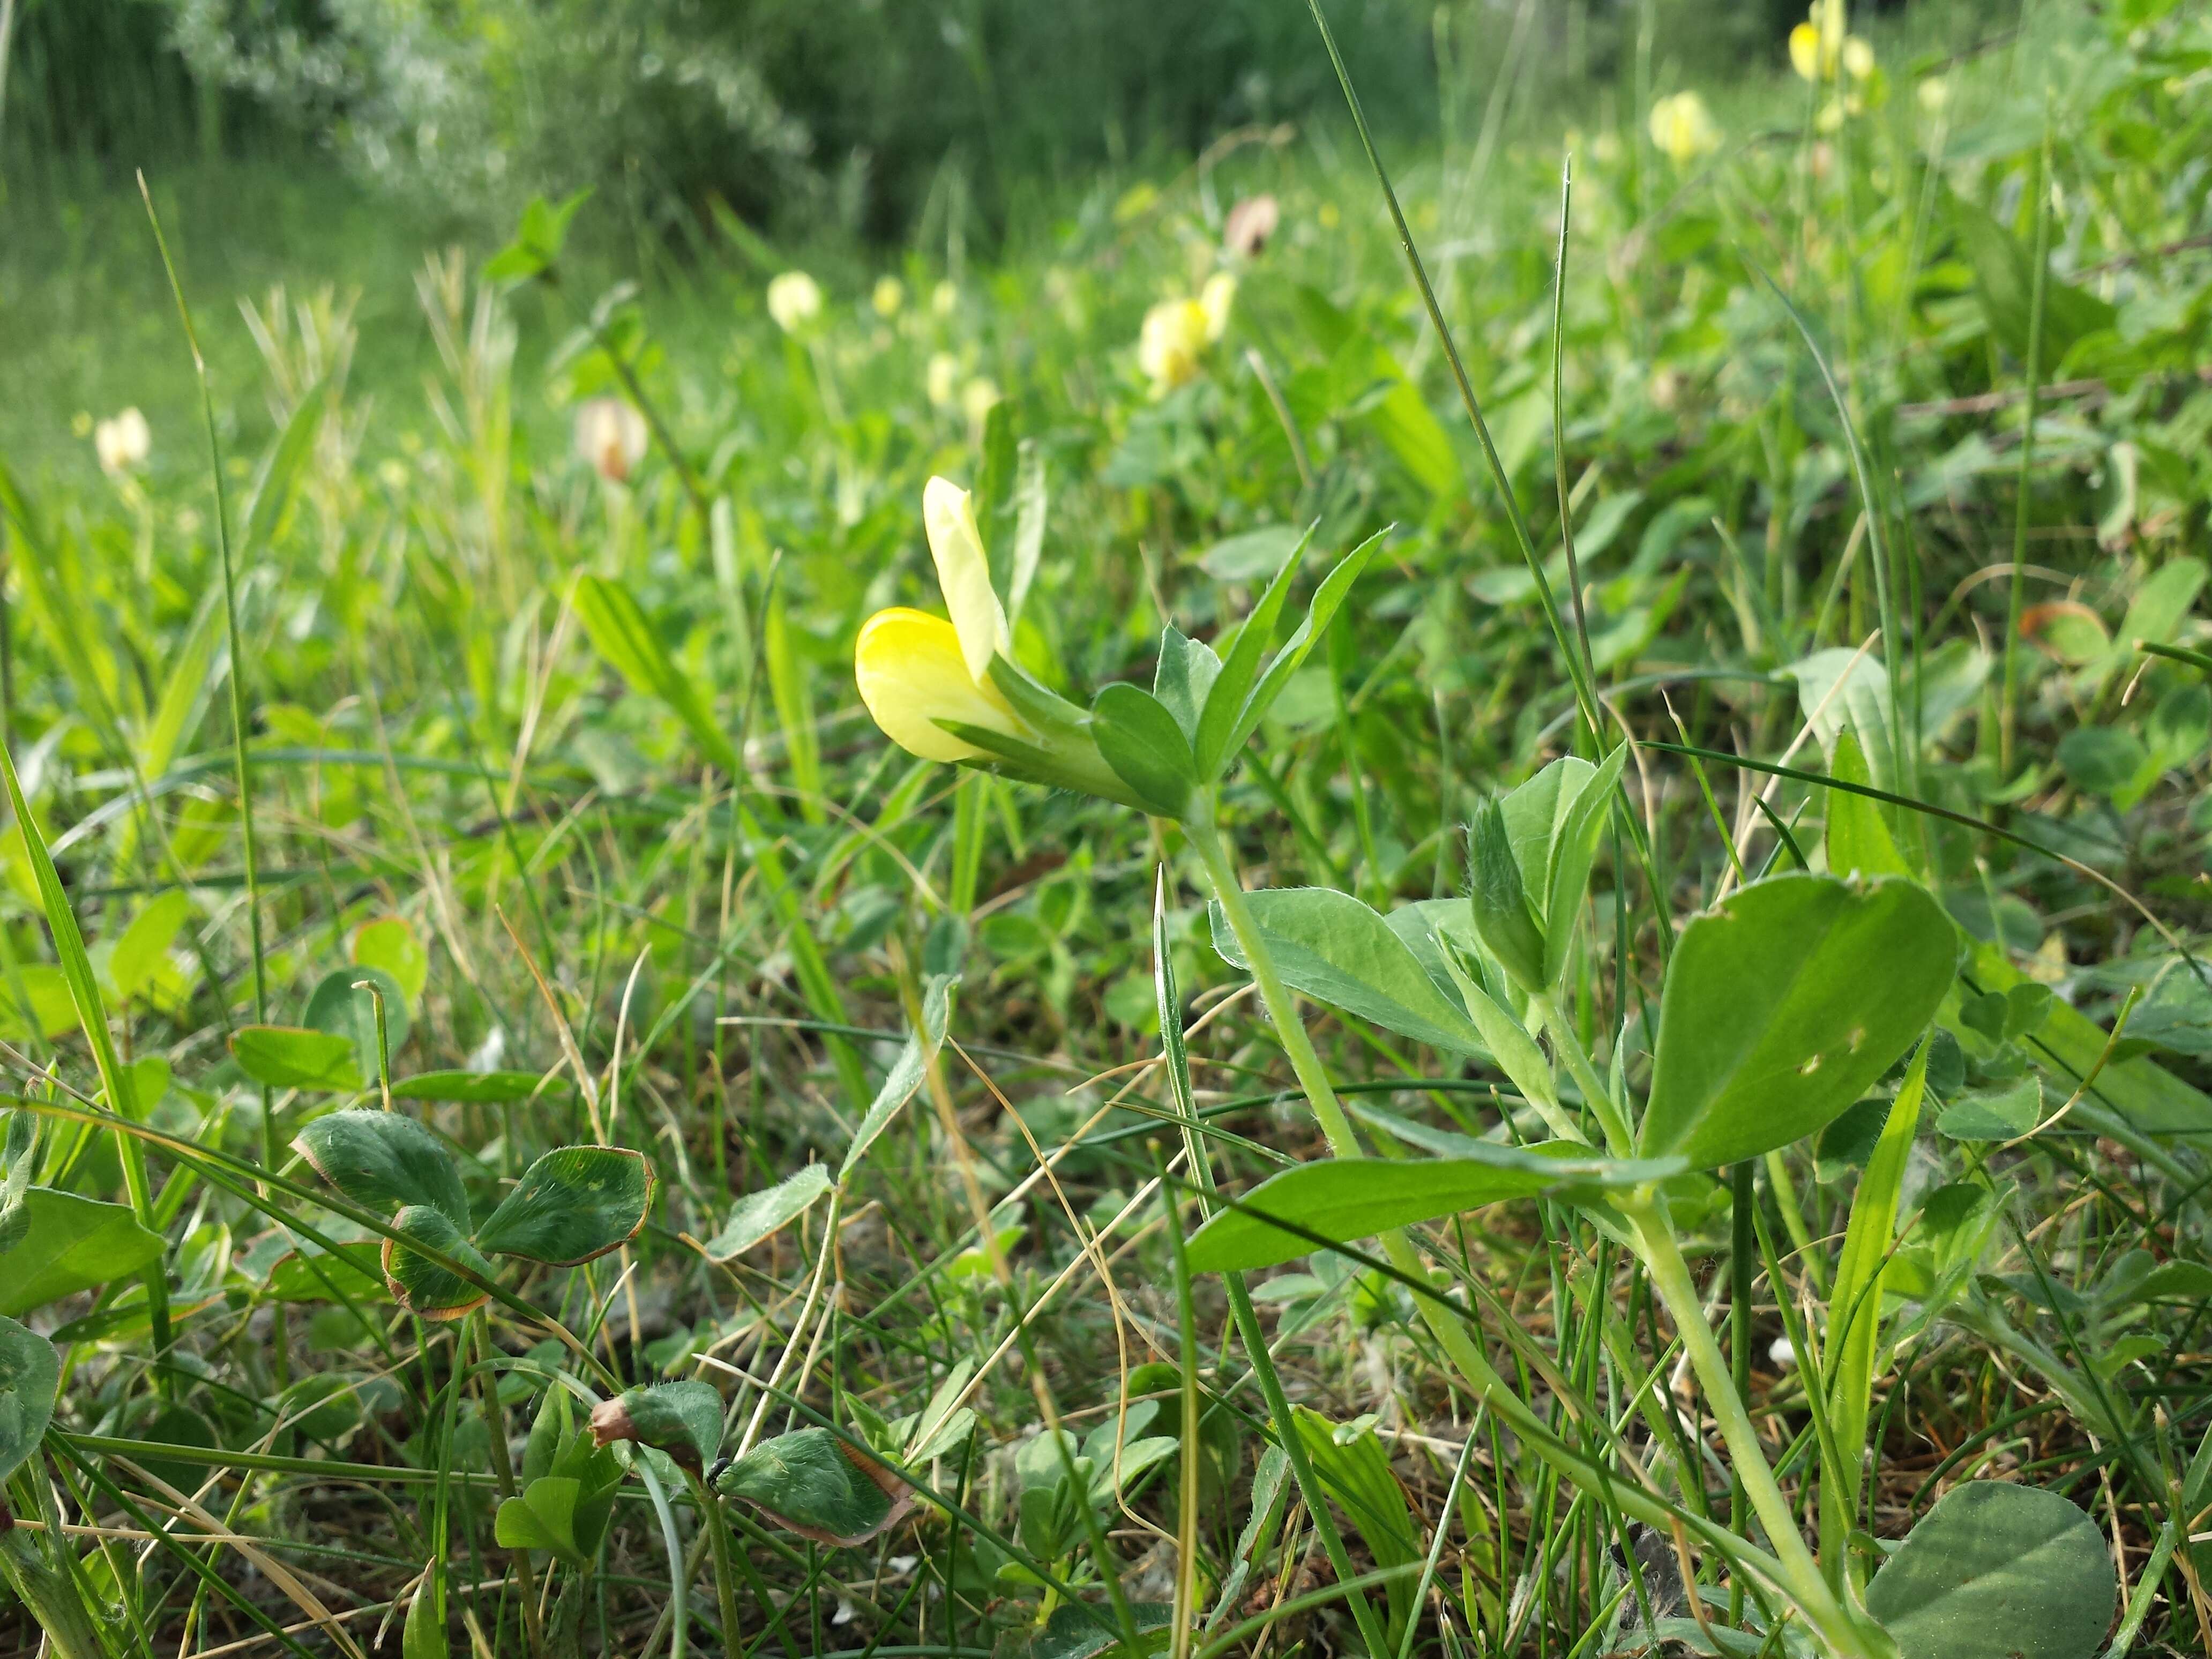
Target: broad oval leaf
[[573, 1204], [1997, 1571], [757, 1215], [683, 1420], [389, 944], [72, 1244], [30, 1377], [338, 1005], [382, 1158], [311, 1274], [1082, 1630], [810, 1482], [294, 1057], [420, 1284], [467, 1088], [35, 1000], [543, 1517], [1345, 1199], [1783, 1005], [1147, 749], [1337, 951]]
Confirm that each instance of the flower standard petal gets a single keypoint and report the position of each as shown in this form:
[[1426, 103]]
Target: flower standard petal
[[965, 576], [911, 675], [1805, 51]]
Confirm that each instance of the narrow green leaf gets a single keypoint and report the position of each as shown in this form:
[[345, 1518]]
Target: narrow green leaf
[[293, 1057], [1348, 1199], [1335, 950], [623, 636], [759, 1214]]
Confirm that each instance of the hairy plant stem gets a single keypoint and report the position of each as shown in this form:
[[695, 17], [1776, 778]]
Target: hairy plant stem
[[502, 1468], [1447, 1323], [1846, 1632], [35, 1566], [1792, 1567]]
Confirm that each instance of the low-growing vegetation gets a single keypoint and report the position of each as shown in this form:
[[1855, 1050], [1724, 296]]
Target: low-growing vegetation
[[1429, 907]]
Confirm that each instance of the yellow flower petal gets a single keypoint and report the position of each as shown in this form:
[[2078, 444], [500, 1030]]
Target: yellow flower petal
[[1168, 346], [911, 675], [1805, 51], [1217, 299], [964, 574]]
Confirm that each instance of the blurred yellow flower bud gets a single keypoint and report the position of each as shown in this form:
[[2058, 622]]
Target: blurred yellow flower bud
[[1805, 51], [123, 441], [1682, 128], [890, 297], [1218, 298], [943, 298], [611, 437], [1935, 95], [1175, 332], [942, 379], [1858, 59], [979, 396], [794, 300]]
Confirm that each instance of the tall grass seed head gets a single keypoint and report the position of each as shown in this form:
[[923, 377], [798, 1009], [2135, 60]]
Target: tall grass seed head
[[1174, 335], [889, 297], [794, 300], [611, 437], [123, 442]]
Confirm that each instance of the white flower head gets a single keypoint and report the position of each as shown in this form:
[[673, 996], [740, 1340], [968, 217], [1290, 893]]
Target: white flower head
[[794, 300], [611, 437], [123, 441]]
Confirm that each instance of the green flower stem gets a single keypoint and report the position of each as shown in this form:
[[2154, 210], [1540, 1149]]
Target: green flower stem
[[1445, 1321], [718, 1538], [1843, 1633], [35, 1565], [1551, 1017]]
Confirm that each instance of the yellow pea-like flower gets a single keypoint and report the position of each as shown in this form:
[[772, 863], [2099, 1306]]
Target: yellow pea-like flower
[[915, 669], [1805, 51], [1174, 334], [1682, 128], [1217, 300], [912, 675]]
